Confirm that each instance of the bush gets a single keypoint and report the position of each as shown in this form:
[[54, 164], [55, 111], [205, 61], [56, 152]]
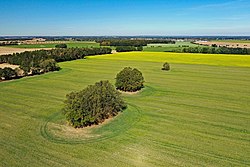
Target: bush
[[129, 79], [93, 104], [166, 66], [61, 46]]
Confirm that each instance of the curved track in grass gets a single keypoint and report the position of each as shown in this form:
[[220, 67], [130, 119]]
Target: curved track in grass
[[115, 127]]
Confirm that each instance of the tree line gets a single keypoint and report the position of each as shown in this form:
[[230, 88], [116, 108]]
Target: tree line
[[8, 43], [127, 42], [128, 48], [42, 61], [215, 50]]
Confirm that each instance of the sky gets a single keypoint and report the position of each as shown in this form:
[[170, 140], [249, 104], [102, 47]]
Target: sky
[[124, 17]]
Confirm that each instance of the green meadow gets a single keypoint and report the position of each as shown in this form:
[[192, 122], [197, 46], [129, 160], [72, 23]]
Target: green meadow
[[196, 114], [169, 47]]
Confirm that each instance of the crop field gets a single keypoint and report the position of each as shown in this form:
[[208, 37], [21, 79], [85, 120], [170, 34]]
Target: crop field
[[197, 114], [168, 47], [232, 41], [8, 50], [52, 45]]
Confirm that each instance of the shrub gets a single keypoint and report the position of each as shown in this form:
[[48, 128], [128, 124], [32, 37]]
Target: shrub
[[93, 104], [63, 45], [129, 79], [166, 66]]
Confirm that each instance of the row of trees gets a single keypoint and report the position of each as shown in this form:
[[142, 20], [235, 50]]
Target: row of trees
[[128, 48], [8, 43], [127, 42], [42, 61], [215, 50]]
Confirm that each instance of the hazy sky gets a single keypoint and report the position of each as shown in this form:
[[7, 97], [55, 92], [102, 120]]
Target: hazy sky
[[124, 17]]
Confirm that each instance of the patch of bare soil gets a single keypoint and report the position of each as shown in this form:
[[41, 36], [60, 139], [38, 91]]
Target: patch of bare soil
[[69, 132], [129, 93], [9, 65], [226, 44], [66, 131], [8, 50]]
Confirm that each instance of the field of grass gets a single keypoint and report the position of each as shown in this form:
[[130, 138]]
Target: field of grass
[[197, 114], [168, 47], [52, 45]]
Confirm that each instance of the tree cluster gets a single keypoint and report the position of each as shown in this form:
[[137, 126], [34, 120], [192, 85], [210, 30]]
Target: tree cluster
[[216, 50], [41, 61], [128, 48], [63, 45], [129, 80], [8, 73], [93, 104]]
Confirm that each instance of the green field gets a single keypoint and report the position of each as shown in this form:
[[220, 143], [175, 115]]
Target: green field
[[197, 114], [168, 47], [52, 45]]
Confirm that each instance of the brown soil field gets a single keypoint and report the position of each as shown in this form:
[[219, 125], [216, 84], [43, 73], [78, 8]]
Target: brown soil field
[[226, 44], [8, 65], [8, 50]]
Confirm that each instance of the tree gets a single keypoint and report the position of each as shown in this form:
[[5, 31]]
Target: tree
[[63, 45], [93, 104], [129, 79], [49, 65], [139, 48], [166, 66]]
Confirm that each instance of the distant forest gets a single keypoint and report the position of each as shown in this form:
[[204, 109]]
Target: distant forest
[[215, 50], [135, 43]]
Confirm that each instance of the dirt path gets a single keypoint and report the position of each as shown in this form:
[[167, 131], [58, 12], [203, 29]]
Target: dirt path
[[8, 50]]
